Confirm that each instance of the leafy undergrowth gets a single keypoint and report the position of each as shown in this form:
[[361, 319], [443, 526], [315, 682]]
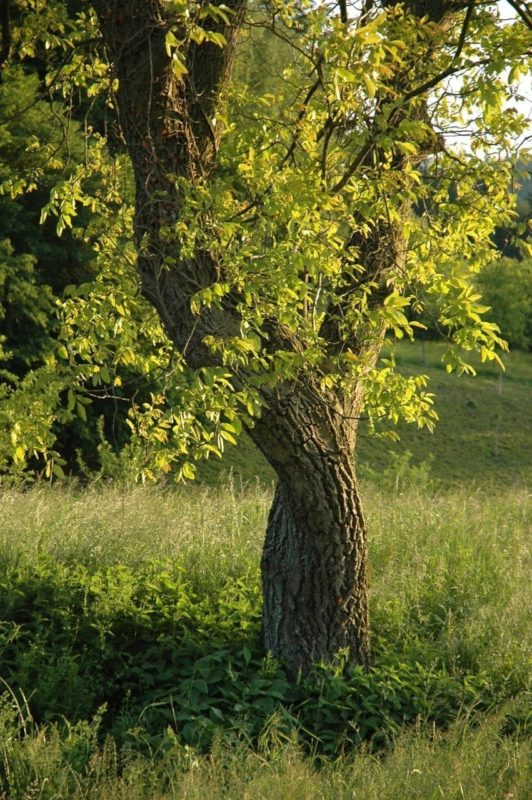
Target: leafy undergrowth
[[472, 760], [151, 650], [142, 609]]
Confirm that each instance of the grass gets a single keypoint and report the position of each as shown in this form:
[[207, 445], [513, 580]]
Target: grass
[[483, 434], [472, 762], [130, 658], [464, 550], [115, 601]]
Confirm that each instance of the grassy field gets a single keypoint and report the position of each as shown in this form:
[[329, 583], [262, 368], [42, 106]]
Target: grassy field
[[131, 662], [484, 433], [130, 657]]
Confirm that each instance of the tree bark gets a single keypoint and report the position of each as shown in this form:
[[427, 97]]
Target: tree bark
[[314, 563], [167, 124]]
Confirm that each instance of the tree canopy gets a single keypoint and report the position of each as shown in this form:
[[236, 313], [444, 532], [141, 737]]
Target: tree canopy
[[301, 177]]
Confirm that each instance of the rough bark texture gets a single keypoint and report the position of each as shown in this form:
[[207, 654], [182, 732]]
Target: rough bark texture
[[166, 122], [315, 552]]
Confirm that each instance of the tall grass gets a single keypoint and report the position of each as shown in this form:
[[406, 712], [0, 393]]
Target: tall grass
[[106, 525], [449, 576], [469, 761], [454, 565]]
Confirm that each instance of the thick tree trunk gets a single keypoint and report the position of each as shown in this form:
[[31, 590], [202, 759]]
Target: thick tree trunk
[[314, 575], [314, 565]]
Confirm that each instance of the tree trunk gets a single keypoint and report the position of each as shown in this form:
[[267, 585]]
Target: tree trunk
[[314, 576], [314, 564]]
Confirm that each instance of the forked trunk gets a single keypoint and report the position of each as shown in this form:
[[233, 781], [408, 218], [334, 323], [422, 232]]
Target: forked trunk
[[314, 564]]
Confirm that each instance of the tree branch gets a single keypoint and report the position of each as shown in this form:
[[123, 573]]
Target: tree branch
[[343, 11], [425, 87], [523, 12], [430, 84], [355, 164], [313, 89]]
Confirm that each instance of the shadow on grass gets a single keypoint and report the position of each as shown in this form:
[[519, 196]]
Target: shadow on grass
[[153, 654]]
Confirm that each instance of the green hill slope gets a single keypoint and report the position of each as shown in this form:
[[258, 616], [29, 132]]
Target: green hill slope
[[483, 434]]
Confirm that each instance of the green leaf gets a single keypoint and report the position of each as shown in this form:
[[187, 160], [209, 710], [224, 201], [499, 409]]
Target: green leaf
[[189, 471], [370, 85], [58, 470], [228, 437]]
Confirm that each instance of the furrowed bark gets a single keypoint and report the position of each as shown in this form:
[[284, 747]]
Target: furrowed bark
[[315, 552], [166, 121]]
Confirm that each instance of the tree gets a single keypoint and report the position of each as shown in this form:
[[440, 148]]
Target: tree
[[275, 237], [39, 142], [35, 264], [506, 285]]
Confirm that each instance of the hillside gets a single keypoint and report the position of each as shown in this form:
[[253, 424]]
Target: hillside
[[483, 433]]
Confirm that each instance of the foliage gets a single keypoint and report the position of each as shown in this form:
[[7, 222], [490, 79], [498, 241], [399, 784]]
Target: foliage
[[482, 437], [472, 760], [41, 146], [135, 642], [106, 608], [482, 433], [303, 166], [506, 285], [35, 152]]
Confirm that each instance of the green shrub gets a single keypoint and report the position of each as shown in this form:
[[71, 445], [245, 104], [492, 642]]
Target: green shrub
[[506, 286]]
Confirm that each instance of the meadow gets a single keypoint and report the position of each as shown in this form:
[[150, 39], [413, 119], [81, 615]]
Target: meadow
[[131, 661], [130, 658]]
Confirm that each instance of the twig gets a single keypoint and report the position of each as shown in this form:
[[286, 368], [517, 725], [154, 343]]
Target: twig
[[524, 13]]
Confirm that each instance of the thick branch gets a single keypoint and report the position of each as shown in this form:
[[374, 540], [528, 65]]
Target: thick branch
[[209, 67], [343, 11], [430, 84], [167, 124]]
